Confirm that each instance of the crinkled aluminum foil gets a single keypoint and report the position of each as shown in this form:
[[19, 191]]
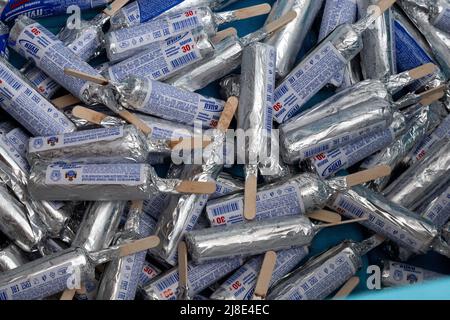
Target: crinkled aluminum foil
[[230, 86], [439, 14], [141, 190], [99, 225], [386, 218], [421, 179], [397, 274], [289, 40], [11, 257], [378, 54], [250, 238], [226, 184]]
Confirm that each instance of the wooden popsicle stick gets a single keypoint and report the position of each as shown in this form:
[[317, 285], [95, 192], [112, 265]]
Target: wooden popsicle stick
[[88, 77], [325, 216], [136, 121], [252, 11], [88, 114], [111, 9], [384, 5], [65, 101], [342, 223], [138, 246], [137, 205], [189, 143], [227, 114], [183, 265], [422, 71], [265, 275], [281, 22], [432, 95], [68, 294], [223, 34], [368, 175], [251, 186], [197, 187], [347, 288]]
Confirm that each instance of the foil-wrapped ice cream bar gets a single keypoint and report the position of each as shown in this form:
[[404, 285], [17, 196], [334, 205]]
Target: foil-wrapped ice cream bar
[[4, 35], [426, 145], [440, 14], [85, 42], [120, 144], [251, 238], [200, 277], [298, 195], [121, 276], [336, 13], [378, 56], [96, 182], [438, 210], [11, 257], [17, 137], [334, 129], [241, 285], [10, 9], [128, 41], [226, 184], [386, 218], [323, 274], [397, 274], [288, 41], [421, 179], [34, 42], [27, 106], [165, 101], [163, 59], [393, 154], [149, 272]]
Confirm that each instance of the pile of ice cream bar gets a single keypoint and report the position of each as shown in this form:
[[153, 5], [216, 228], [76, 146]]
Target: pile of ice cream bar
[[119, 180]]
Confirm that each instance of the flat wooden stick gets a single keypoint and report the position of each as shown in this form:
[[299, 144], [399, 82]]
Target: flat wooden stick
[[138, 246], [325, 216], [68, 294], [342, 223], [136, 121], [251, 186], [197, 187], [189, 143], [81, 75], [223, 34], [88, 114], [347, 288], [423, 71], [368, 175], [114, 7], [65, 101], [384, 5], [227, 114], [265, 275], [183, 265], [430, 96], [279, 23], [252, 11]]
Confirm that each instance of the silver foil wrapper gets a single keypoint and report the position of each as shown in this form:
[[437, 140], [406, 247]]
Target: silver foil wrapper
[[439, 41], [99, 225], [121, 144], [96, 182], [226, 184], [378, 53], [27, 233], [254, 117], [304, 137], [386, 218], [298, 195], [250, 238], [11, 257], [182, 212], [421, 179], [395, 153], [230, 86], [200, 277], [289, 40], [397, 274], [439, 13], [437, 209]]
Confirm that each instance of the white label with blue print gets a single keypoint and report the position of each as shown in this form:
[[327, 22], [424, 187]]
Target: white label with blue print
[[142, 10], [20, 160], [19, 139], [155, 30], [284, 200], [75, 139], [160, 60], [149, 272], [442, 21], [307, 79], [439, 212], [91, 174]]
